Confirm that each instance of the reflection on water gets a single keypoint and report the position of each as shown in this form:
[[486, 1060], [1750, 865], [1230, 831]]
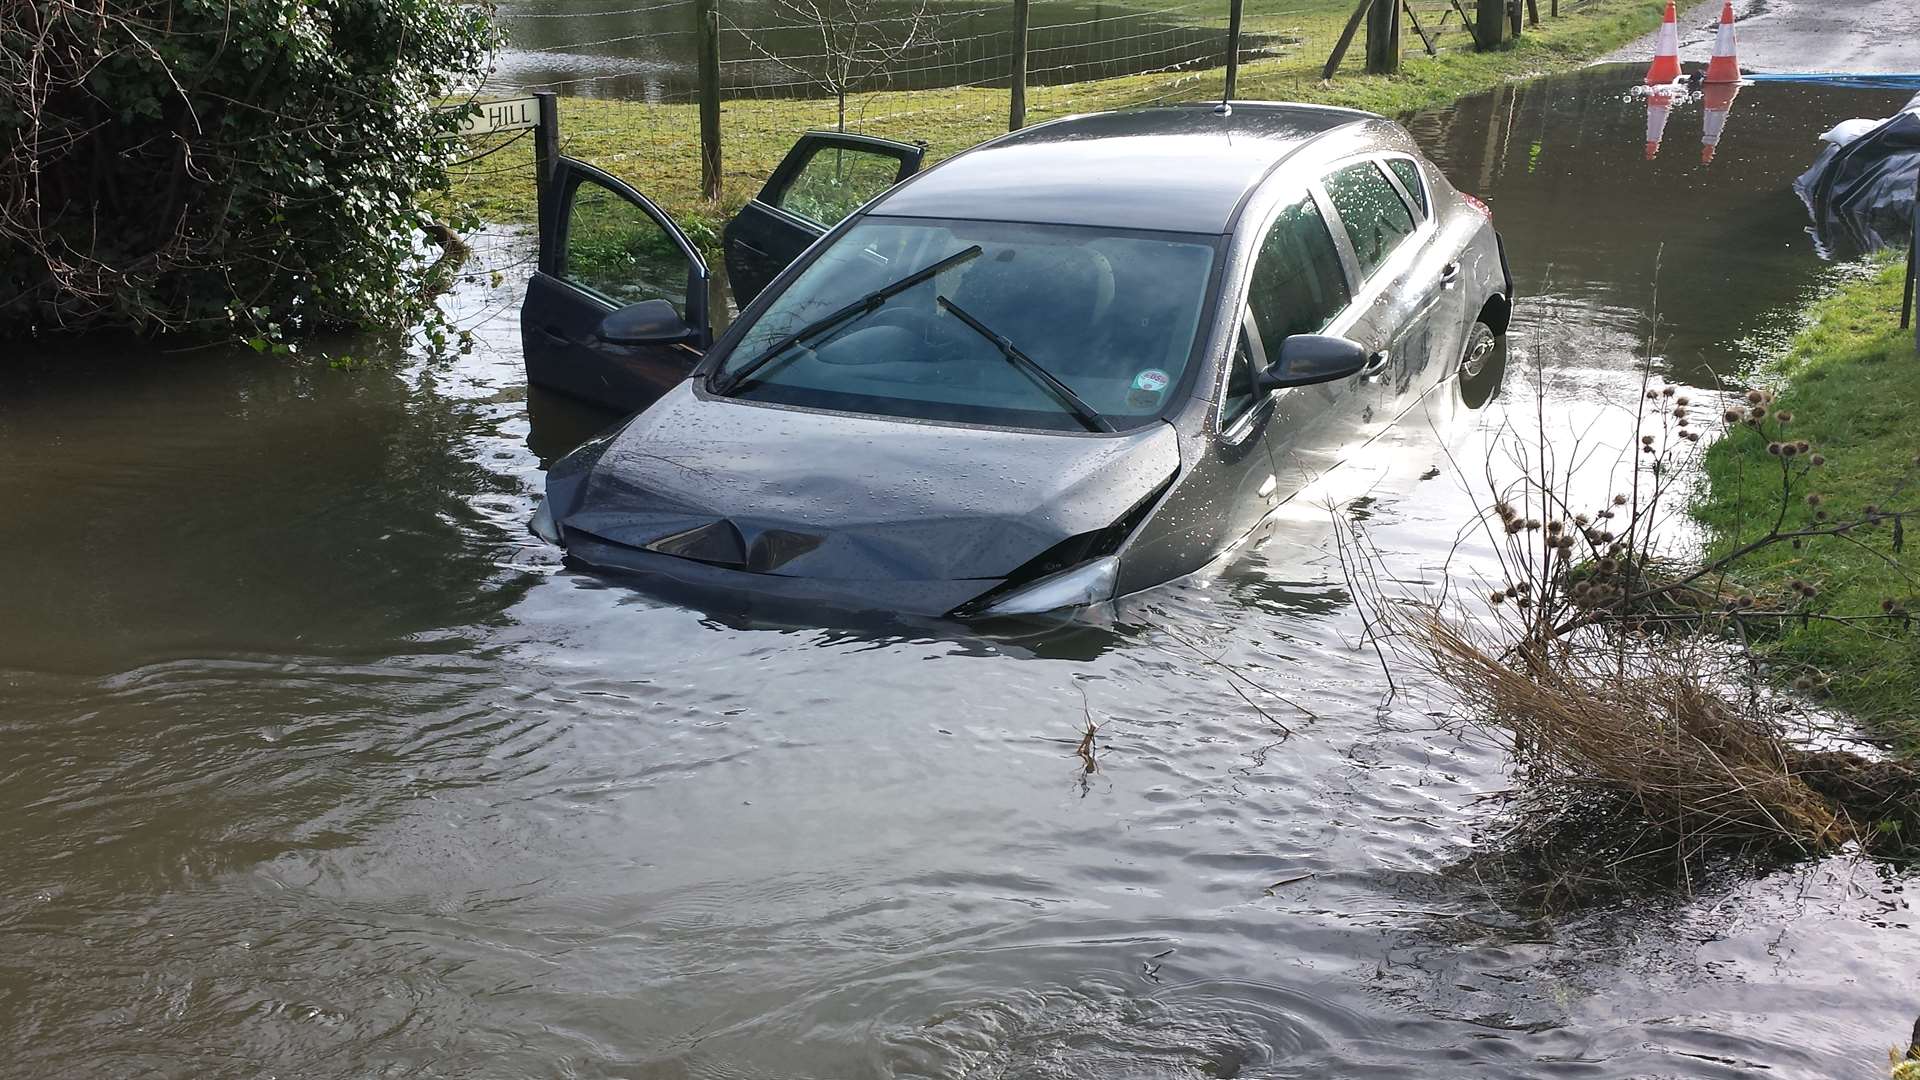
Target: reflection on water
[[1719, 253], [1659, 111], [317, 765], [1717, 101]]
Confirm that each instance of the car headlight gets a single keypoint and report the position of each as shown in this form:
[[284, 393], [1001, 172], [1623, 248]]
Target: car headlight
[[1088, 583]]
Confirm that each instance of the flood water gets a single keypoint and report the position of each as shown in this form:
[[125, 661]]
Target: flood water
[[648, 52], [317, 765]]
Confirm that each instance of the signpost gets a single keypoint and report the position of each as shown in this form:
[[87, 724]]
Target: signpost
[[538, 112], [511, 114]]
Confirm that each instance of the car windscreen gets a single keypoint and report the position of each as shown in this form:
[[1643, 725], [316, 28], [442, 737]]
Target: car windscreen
[[1111, 316]]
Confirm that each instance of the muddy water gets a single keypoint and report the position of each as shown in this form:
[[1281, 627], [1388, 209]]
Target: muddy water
[[316, 765]]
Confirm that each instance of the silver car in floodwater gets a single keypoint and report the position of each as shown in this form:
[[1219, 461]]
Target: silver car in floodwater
[[1064, 366]]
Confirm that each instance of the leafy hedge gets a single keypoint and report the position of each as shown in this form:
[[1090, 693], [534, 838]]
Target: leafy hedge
[[241, 167]]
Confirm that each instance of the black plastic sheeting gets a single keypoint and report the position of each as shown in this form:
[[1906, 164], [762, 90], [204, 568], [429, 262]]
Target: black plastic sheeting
[[1861, 194]]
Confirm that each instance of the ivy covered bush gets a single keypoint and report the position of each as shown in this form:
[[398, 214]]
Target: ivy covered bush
[[232, 167]]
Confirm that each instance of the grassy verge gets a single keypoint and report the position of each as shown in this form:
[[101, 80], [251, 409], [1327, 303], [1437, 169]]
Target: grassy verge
[[1851, 381], [655, 147]]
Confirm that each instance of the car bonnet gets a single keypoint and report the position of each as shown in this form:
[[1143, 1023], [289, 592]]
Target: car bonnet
[[796, 492]]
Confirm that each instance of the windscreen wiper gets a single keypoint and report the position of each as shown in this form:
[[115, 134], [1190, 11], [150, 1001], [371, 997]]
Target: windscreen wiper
[[724, 382], [1076, 405]]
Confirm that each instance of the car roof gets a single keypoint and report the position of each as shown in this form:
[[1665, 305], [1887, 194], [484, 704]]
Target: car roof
[[1182, 168]]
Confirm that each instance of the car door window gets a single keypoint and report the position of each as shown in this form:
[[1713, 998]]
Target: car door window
[[835, 181], [1409, 175], [1377, 221], [618, 252], [1298, 287]]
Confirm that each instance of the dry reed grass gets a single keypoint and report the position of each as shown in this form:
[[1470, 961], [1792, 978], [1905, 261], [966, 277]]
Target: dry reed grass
[[1640, 720], [1612, 658]]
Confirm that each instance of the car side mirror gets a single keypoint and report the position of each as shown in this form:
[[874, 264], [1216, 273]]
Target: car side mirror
[[1306, 359], [649, 322]]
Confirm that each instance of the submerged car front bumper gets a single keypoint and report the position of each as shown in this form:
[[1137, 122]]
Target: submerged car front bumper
[[776, 596]]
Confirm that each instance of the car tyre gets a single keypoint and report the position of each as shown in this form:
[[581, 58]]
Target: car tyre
[[1483, 366]]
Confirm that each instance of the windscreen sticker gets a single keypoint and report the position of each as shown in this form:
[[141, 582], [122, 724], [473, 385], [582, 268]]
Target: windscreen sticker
[[1152, 380], [1146, 389]]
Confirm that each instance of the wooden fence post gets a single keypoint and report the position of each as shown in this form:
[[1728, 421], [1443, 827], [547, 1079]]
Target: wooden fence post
[[1425, 41], [1464, 21], [1490, 23], [707, 41], [1233, 47], [1346, 38], [1383, 38], [1017, 96]]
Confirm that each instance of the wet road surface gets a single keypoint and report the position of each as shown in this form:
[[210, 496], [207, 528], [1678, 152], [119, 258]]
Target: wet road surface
[[318, 766], [1859, 36]]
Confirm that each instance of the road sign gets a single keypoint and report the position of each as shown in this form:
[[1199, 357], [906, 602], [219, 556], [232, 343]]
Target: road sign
[[511, 114]]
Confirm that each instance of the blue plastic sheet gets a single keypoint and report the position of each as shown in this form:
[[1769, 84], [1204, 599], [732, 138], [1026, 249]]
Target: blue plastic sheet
[[1861, 195], [1857, 80]]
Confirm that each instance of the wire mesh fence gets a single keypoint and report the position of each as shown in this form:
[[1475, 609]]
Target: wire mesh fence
[[941, 72]]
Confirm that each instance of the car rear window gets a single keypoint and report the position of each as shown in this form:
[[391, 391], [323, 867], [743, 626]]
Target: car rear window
[[1409, 174], [1376, 220]]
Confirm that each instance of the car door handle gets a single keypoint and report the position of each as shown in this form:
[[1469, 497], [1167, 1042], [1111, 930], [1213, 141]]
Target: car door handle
[[1450, 276], [1376, 363], [553, 334]]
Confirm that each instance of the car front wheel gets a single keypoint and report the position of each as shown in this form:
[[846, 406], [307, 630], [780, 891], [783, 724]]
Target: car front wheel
[[1483, 365]]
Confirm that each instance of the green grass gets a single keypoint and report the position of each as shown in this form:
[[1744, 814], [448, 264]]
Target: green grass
[[656, 147], [1852, 383]]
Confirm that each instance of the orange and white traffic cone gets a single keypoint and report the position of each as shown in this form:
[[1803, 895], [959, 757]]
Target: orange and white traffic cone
[[1659, 104], [1719, 100], [1666, 51], [1724, 67]]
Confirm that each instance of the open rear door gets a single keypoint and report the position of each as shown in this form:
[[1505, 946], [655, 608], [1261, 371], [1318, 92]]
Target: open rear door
[[617, 311], [826, 176]]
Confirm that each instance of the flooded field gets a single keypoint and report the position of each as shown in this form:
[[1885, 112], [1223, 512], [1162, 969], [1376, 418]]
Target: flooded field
[[648, 52], [317, 765]]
